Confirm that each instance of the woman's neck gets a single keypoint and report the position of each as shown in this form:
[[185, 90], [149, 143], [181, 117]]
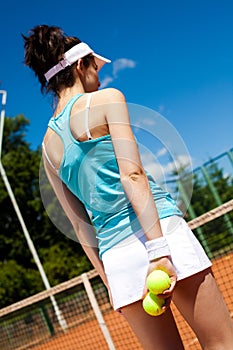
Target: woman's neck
[[65, 95]]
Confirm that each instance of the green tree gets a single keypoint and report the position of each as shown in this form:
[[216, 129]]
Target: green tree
[[17, 282], [61, 257], [203, 199], [217, 234]]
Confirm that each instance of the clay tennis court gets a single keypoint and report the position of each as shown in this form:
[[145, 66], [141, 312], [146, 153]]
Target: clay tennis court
[[33, 323], [89, 336]]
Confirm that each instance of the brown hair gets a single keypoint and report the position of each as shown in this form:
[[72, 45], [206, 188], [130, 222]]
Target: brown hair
[[44, 48]]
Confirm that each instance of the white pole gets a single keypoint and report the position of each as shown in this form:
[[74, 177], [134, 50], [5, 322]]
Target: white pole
[[58, 313], [97, 312], [3, 92]]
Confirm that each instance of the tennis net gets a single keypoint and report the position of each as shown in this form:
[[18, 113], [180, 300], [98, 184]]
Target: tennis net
[[83, 303]]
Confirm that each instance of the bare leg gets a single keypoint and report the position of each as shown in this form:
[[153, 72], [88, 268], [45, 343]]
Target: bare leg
[[200, 302], [158, 332]]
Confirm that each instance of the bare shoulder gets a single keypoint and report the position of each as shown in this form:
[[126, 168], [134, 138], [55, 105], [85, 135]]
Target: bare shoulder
[[108, 95]]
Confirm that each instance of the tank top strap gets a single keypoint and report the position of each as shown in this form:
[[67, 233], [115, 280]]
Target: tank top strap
[[87, 116], [61, 125]]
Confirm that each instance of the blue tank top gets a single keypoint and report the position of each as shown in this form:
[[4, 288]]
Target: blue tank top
[[90, 171]]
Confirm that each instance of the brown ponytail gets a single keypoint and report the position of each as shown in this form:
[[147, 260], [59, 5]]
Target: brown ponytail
[[44, 48]]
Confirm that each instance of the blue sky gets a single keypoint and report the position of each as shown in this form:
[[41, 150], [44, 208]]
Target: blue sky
[[174, 57]]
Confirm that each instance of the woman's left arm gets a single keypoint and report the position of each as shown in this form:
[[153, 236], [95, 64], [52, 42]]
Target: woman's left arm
[[78, 216]]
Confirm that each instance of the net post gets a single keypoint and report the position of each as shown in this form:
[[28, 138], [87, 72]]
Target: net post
[[97, 311], [47, 319]]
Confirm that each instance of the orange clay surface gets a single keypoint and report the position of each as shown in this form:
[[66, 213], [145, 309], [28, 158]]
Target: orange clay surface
[[89, 335]]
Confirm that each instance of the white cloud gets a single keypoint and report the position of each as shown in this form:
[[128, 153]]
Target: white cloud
[[122, 63], [152, 166], [161, 152], [158, 170], [106, 81], [118, 65], [176, 164], [161, 108], [147, 121], [182, 161]]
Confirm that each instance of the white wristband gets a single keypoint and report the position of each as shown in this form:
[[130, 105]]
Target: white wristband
[[157, 248]]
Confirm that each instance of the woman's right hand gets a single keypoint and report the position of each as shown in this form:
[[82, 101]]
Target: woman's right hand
[[166, 265]]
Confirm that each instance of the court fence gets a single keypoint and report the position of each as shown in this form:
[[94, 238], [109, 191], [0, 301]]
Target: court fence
[[88, 319]]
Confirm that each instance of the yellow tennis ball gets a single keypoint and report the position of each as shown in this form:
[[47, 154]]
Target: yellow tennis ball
[[153, 304], [158, 281]]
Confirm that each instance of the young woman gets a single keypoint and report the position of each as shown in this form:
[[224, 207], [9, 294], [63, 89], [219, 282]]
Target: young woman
[[127, 225]]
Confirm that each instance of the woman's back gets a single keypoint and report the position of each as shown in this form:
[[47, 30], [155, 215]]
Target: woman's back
[[78, 122], [90, 171]]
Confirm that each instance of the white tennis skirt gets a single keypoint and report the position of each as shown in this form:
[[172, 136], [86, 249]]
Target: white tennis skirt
[[126, 264]]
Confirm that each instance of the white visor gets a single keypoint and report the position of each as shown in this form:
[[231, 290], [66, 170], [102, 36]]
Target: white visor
[[73, 55]]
